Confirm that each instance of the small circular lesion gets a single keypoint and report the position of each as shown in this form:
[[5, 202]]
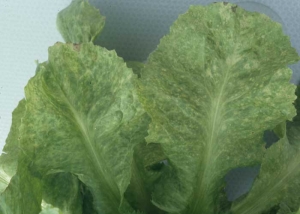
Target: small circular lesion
[[76, 47], [233, 8], [224, 2]]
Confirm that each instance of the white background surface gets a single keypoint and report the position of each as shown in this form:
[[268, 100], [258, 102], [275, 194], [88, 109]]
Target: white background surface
[[27, 29]]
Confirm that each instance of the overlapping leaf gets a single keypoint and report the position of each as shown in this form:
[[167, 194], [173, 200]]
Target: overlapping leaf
[[9, 156], [146, 170], [24, 192], [278, 183], [63, 191], [20, 191]]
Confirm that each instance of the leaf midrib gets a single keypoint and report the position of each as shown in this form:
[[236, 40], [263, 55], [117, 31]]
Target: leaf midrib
[[210, 145], [97, 159]]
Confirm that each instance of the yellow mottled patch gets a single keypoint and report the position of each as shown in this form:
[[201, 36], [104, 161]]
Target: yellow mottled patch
[[247, 66], [267, 91], [233, 59], [224, 13], [208, 73]]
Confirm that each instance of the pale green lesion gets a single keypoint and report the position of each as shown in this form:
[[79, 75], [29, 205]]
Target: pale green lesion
[[4, 180], [49, 209]]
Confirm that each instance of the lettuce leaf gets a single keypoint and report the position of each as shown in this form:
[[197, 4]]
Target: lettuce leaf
[[106, 124], [20, 192], [83, 114], [216, 82], [278, 181], [9, 156], [24, 192], [63, 191], [50, 209], [147, 167], [212, 86], [137, 67], [80, 22]]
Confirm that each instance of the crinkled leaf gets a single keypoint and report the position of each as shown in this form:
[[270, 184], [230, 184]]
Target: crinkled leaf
[[80, 22], [278, 184], [83, 114], [213, 85]]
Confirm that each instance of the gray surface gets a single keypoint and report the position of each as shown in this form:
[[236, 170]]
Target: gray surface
[[240, 180], [133, 28]]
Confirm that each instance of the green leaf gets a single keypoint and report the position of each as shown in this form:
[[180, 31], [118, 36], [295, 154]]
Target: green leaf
[[146, 170], [24, 192], [9, 156], [283, 209], [132, 212], [83, 114], [137, 67], [80, 22], [50, 209], [278, 184], [20, 192], [88, 201], [211, 88], [62, 190], [278, 180], [297, 105]]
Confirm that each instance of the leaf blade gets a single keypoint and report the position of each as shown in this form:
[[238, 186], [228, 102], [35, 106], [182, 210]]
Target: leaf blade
[[83, 123], [278, 180], [203, 87], [80, 22]]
